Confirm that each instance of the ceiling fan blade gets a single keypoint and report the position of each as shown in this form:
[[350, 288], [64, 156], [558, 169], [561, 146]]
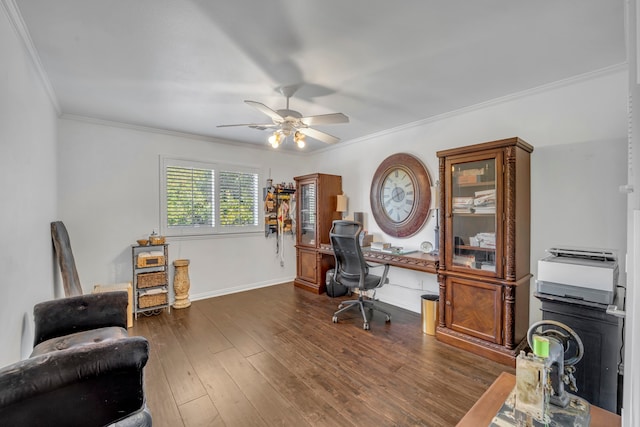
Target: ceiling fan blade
[[266, 110], [320, 136], [260, 126], [325, 119]]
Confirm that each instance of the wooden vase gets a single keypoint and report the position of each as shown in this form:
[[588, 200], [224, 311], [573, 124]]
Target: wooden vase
[[181, 283]]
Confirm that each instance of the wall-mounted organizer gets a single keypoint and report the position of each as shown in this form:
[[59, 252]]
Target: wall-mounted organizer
[[150, 278], [278, 205]]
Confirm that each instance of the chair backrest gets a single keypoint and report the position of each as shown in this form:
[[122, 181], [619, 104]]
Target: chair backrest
[[67, 263], [345, 242]]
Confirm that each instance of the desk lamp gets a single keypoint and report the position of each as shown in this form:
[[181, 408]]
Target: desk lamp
[[341, 204]]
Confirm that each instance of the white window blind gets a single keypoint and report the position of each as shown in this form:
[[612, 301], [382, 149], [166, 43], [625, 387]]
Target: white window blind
[[189, 197], [238, 199], [207, 198]]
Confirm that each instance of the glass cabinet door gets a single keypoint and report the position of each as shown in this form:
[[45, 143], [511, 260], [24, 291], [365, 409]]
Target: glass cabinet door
[[475, 215], [308, 212]]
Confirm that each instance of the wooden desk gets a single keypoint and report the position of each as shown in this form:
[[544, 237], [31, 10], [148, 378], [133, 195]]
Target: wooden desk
[[487, 406], [413, 261]]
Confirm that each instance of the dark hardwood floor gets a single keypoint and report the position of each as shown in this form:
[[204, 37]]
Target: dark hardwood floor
[[272, 356]]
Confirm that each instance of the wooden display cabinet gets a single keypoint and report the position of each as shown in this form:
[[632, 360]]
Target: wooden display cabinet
[[484, 248], [315, 213]]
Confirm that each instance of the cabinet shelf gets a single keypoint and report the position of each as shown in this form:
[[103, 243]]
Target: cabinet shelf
[[473, 248], [474, 214], [477, 184]]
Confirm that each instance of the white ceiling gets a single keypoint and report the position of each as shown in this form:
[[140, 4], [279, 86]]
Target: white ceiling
[[188, 65]]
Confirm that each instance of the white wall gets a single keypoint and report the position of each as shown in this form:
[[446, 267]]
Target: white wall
[[578, 130], [631, 391], [109, 196], [27, 194]]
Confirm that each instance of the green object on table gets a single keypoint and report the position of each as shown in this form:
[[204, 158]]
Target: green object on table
[[540, 346]]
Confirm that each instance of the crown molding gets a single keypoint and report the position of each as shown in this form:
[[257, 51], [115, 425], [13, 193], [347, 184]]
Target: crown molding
[[15, 18], [493, 102], [168, 132]]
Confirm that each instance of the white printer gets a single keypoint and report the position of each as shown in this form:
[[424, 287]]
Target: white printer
[[581, 273]]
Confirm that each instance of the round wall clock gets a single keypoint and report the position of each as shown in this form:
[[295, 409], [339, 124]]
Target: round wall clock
[[401, 195]]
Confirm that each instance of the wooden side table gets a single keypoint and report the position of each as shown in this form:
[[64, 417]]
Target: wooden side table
[[487, 406], [119, 287]]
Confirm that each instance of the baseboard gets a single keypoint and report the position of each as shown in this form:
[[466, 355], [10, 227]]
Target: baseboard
[[236, 289]]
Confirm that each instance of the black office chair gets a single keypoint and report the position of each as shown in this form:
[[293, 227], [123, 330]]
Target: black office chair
[[352, 270]]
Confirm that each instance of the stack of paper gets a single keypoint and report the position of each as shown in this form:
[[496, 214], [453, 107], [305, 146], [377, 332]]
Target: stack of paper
[[462, 204], [464, 260], [485, 201], [486, 240], [378, 246]]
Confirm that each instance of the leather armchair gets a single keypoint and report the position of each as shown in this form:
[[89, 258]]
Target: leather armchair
[[84, 369]]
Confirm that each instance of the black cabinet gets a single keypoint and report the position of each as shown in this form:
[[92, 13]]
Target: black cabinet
[[601, 333]]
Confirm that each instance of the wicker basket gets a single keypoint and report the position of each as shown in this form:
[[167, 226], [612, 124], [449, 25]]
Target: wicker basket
[[147, 280], [156, 240], [149, 261], [152, 300]]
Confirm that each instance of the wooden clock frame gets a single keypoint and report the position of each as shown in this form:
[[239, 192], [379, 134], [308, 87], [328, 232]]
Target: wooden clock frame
[[421, 203]]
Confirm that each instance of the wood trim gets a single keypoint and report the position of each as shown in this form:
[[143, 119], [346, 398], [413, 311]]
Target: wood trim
[[509, 315], [501, 143], [442, 246], [307, 286], [510, 212], [417, 261], [492, 351]]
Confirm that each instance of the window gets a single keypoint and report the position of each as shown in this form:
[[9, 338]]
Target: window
[[208, 198]]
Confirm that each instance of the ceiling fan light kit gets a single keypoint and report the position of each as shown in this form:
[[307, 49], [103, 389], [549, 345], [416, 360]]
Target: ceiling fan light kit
[[290, 122]]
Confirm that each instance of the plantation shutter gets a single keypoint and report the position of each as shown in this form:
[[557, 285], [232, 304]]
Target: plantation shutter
[[238, 197], [190, 197]]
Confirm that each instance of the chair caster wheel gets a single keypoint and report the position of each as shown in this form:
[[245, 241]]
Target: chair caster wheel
[[388, 319], [335, 319], [366, 326]]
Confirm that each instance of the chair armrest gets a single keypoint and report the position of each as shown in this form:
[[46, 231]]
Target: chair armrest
[[377, 265], [383, 278], [101, 382], [68, 315]]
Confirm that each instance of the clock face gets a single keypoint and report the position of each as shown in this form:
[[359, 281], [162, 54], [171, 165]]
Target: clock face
[[398, 195]]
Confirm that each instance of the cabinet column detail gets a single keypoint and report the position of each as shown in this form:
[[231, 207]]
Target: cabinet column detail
[[509, 319], [441, 213], [510, 208], [443, 297]]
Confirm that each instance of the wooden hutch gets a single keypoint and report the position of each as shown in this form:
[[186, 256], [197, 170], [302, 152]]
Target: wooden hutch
[[315, 212], [484, 248]]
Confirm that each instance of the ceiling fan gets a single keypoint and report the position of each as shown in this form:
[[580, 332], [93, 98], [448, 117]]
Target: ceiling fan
[[286, 122]]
